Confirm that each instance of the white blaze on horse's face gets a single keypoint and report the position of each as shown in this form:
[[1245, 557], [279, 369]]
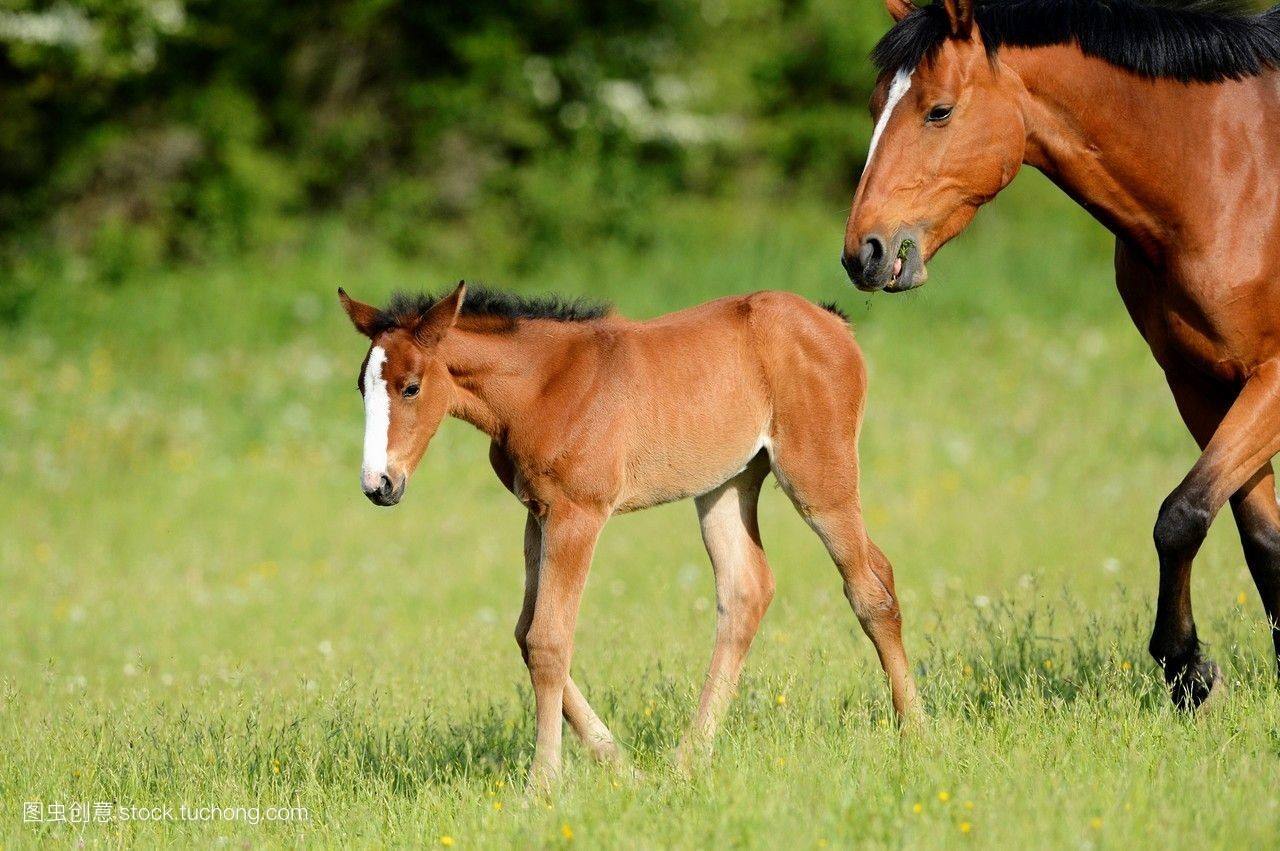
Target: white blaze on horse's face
[[897, 90], [377, 421]]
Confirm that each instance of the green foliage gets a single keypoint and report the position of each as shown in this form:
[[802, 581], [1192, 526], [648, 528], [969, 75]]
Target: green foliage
[[144, 131]]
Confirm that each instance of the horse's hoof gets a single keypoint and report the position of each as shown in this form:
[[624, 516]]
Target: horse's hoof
[[1192, 686]]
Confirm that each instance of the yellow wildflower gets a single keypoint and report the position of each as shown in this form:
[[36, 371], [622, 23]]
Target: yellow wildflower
[[446, 841], [566, 832], [944, 796], [965, 827]]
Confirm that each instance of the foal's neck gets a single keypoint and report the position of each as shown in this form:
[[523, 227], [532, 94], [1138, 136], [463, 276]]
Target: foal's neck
[[1130, 150], [499, 368]]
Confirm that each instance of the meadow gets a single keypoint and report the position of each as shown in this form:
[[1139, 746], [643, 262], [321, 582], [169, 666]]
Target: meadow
[[199, 607]]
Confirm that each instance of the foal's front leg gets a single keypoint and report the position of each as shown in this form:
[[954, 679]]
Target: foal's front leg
[[581, 717], [569, 534]]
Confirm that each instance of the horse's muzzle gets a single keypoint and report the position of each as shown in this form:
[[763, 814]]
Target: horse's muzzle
[[384, 492], [893, 265]]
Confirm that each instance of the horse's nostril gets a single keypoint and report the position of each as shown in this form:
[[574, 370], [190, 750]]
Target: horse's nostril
[[384, 487], [872, 252], [850, 264]]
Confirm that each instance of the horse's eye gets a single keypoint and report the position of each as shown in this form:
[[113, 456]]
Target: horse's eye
[[939, 113], [410, 391]]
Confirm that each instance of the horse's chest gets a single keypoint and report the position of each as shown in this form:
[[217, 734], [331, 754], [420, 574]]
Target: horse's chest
[[1211, 327]]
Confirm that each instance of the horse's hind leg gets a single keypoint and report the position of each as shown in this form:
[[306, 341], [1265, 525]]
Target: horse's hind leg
[[581, 717], [744, 589], [1258, 518]]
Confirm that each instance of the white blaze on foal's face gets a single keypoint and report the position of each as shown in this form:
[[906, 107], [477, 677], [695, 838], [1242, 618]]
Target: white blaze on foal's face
[[406, 385], [377, 420]]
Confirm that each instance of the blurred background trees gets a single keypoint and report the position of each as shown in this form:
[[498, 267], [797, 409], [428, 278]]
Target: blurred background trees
[[135, 133]]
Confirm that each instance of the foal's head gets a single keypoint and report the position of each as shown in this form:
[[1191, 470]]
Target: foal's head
[[949, 135], [406, 387]]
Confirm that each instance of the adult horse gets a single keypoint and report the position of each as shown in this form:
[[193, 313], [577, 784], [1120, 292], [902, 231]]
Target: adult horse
[[1163, 122]]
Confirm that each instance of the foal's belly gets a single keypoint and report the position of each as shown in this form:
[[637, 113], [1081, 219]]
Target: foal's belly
[[688, 468]]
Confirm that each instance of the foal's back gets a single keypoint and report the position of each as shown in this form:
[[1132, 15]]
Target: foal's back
[[710, 387]]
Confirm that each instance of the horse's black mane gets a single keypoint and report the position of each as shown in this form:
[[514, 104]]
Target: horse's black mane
[[404, 308], [1187, 40]]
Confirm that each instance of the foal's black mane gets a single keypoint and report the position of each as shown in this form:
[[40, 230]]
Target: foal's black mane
[[405, 308], [1187, 40]]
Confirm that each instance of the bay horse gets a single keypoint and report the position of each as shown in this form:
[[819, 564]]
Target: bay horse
[[592, 415], [1164, 123]]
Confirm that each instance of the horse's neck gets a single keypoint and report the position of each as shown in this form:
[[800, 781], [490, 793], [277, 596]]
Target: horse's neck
[[497, 374], [1136, 153]]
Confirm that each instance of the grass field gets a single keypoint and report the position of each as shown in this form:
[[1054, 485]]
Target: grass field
[[200, 608]]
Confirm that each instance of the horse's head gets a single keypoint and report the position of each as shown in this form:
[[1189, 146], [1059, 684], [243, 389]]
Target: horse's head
[[949, 134], [406, 387]]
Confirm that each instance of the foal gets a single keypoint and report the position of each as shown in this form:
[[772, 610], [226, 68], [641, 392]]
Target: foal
[[592, 415]]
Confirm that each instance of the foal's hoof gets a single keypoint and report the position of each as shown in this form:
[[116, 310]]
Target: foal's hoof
[[692, 757], [913, 724], [542, 782], [1191, 686]]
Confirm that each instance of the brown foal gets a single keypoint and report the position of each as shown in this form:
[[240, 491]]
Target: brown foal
[[1164, 122], [591, 415]]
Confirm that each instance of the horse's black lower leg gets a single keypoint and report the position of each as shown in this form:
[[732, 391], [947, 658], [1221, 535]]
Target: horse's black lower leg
[[1258, 520], [1180, 529]]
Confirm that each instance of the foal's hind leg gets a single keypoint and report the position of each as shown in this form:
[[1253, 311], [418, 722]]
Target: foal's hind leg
[[868, 586], [823, 487], [744, 589], [581, 717]]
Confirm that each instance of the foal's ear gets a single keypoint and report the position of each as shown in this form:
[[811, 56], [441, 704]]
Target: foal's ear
[[441, 317], [899, 9], [960, 13], [363, 316]]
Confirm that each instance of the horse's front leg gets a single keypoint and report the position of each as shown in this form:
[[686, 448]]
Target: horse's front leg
[[581, 717], [569, 534], [1245, 440]]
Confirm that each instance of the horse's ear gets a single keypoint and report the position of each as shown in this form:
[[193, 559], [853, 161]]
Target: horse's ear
[[960, 13], [363, 316], [899, 9], [441, 317]]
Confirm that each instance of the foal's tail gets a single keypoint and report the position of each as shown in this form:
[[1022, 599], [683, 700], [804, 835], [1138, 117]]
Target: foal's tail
[[833, 307]]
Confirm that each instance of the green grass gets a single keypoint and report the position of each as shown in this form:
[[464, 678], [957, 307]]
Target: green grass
[[200, 608]]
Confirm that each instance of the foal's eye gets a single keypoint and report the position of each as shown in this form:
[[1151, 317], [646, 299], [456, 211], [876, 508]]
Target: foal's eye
[[939, 114], [410, 391]]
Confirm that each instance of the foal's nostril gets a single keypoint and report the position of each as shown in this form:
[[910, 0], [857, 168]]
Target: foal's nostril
[[385, 487]]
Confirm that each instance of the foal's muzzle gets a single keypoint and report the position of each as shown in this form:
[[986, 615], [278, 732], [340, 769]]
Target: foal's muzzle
[[891, 264], [381, 490]]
